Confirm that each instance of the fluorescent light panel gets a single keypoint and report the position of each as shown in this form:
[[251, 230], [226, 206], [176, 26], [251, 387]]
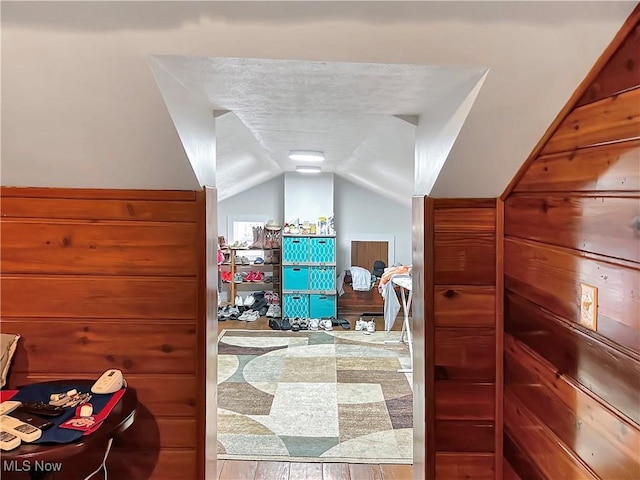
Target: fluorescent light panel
[[308, 169], [306, 155]]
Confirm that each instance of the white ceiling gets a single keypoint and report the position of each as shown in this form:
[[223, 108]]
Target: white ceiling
[[349, 111], [81, 106]]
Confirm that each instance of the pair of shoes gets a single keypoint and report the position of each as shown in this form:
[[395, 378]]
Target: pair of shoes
[[366, 327], [237, 278], [249, 316], [274, 311], [254, 277], [247, 302]]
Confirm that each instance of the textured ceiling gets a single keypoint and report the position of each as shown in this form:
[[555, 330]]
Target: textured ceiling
[[81, 106], [346, 110]]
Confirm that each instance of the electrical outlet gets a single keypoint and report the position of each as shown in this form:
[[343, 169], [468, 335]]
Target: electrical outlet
[[589, 306]]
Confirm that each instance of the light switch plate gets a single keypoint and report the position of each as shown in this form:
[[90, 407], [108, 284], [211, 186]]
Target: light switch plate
[[588, 306]]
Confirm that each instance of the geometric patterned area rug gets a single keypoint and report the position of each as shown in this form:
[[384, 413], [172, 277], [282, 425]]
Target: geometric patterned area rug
[[314, 396]]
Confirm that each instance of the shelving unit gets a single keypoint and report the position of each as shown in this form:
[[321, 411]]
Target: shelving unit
[[309, 276], [273, 268]]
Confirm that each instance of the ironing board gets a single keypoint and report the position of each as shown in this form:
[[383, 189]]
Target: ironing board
[[406, 291]]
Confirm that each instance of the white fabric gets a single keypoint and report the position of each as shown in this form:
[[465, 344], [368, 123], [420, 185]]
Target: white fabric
[[360, 279], [340, 283], [391, 305]]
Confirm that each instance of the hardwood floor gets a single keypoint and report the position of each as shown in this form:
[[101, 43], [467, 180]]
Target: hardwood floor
[[255, 470], [259, 470]]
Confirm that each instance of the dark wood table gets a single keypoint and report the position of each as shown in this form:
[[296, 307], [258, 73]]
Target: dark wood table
[[39, 460]]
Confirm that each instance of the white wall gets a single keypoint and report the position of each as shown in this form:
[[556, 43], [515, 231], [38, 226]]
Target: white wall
[[308, 196], [265, 200], [363, 215]]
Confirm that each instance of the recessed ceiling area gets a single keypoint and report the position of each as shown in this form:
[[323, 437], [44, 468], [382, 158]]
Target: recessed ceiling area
[[362, 116]]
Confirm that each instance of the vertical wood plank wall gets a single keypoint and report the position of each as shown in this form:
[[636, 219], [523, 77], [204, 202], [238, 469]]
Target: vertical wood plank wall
[[572, 395], [461, 337], [99, 279]]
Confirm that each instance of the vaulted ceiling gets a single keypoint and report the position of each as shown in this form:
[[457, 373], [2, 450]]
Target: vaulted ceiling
[[84, 104]]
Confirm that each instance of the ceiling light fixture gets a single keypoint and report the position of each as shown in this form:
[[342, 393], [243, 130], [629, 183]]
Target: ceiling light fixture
[[308, 169], [306, 155]]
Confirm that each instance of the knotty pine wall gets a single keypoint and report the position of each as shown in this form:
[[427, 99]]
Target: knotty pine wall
[[99, 279], [461, 308], [572, 395]]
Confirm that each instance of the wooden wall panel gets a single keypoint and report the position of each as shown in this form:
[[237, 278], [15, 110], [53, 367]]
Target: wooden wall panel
[[465, 354], [464, 306], [622, 72], [595, 224], [551, 277], [464, 401], [114, 275], [98, 297], [462, 319], [97, 209], [113, 248], [571, 405], [611, 443], [474, 466], [612, 375], [540, 444], [133, 347], [465, 259], [613, 167], [608, 120]]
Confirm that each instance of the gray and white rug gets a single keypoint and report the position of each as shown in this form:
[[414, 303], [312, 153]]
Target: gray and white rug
[[314, 396]]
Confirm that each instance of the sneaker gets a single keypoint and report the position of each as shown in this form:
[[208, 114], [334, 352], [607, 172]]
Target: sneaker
[[234, 313], [250, 300], [326, 325], [238, 302], [313, 324], [258, 261], [277, 312], [360, 325], [237, 278], [244, 316], [252, 316], [258, 277], [269, 311], [371, 327]]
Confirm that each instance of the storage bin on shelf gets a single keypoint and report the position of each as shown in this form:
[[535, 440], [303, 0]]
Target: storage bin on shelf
[[322, 306], [309, 276], [296, 305], [295, 277]]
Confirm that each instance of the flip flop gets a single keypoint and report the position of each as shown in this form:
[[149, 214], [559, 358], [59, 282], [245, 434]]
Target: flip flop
[[344, 323]]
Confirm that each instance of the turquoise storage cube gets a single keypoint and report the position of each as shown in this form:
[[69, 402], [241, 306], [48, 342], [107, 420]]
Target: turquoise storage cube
[[322, 278], [295, 278], [295, 249], [295, 305], [322, 306], [322, 250]]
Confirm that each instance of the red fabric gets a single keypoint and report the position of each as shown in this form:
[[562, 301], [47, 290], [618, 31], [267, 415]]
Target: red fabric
[[7, 395]]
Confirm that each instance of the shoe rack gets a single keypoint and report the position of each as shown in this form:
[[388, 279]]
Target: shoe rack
[[272, 269]]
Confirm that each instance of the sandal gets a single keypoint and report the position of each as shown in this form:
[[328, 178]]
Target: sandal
[[344, 323]]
